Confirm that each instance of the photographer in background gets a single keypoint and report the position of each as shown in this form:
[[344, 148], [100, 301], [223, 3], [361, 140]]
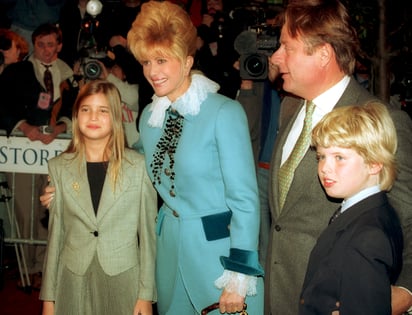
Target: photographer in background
[[73, 20], [260, 95], [217, 54], [13, 48]]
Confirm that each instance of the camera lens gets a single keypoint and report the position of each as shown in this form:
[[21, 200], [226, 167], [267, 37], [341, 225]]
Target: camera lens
[[255, 65], [92, 70]]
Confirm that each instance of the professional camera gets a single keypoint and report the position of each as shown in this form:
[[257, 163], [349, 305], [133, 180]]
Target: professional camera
[[90, 64], [89, 52], [255, 46]]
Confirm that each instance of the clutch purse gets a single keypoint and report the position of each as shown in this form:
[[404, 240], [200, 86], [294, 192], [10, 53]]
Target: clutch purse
[[215, 306]]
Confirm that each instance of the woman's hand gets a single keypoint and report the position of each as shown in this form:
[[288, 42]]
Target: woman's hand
[[401, 300], [143, 307], [48, 308], [231, 302], [47, 196]]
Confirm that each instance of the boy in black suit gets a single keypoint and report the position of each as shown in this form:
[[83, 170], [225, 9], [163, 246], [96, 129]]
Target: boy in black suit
[[359, 255]]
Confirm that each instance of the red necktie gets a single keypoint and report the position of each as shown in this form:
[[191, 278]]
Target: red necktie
[[48, 82]]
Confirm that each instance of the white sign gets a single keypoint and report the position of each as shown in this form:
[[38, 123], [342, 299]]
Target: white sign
[[21, 155]]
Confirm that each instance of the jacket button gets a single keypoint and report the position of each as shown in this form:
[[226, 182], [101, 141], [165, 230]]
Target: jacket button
[[277, 227], [96, 234]]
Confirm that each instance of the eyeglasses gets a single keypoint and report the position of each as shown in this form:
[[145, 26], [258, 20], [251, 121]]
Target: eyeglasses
[[215, 306]]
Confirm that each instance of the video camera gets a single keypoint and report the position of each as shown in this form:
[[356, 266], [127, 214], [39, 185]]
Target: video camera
[[89, 63], [255, 46], [90, 54]]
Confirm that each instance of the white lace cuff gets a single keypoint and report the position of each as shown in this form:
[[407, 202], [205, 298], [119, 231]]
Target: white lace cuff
[[236, 282]]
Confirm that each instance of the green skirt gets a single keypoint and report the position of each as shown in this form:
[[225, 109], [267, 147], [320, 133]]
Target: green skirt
[[96, 292]]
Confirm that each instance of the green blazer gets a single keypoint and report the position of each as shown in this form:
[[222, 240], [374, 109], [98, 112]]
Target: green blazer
[[122, 234], [307, 209]]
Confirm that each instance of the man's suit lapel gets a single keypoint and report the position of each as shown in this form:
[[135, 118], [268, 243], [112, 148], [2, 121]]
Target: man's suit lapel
[[291, 110]]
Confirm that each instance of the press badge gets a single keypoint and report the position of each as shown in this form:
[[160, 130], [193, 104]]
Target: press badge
[[44, 101]]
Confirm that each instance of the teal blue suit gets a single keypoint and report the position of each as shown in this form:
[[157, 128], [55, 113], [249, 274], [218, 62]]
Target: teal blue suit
[[212, 221]]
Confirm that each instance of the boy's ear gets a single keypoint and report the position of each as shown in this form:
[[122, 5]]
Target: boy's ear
[[375, 168]]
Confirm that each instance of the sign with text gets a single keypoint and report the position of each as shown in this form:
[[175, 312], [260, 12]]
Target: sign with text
[[20, 155]]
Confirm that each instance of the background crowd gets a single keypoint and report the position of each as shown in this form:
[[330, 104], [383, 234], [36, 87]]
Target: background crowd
[[256, 54]]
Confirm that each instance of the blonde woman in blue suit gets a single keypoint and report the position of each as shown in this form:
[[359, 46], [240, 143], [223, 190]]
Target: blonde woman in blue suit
[[101, 246], [198, 154]]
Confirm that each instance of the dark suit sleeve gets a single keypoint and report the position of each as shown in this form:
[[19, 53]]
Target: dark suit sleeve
[[19, 92], [401, 194], [252, 101]]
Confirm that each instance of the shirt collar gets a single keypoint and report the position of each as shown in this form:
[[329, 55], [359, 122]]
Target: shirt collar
[[359, 196], [328, 99]]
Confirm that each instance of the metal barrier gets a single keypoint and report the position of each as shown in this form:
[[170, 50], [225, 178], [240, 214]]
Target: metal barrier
[[18, 154]]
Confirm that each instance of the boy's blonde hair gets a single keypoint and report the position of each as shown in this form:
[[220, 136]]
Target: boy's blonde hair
[[114, 151], [367, 129], [164, 29]]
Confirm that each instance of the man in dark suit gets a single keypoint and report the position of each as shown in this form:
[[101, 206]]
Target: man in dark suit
[[26, 102], [35, 108], [316, 60]]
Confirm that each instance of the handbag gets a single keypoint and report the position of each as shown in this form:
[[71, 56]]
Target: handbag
[[215, 306]]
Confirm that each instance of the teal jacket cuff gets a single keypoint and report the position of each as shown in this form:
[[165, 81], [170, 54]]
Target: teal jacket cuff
[[243, 261]]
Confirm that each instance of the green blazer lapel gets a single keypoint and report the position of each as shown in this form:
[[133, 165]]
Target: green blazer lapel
[[109, 197], [78, 187]]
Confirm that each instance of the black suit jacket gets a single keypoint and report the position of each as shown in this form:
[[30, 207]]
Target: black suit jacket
[[19, 94], [20, 91], [354, 261]]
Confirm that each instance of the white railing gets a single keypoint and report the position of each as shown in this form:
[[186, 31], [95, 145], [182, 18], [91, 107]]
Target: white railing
[[18, 154]]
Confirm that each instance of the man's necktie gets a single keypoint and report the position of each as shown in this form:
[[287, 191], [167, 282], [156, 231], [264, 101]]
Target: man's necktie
[[48, 82], [335, 215], [287, 170]]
